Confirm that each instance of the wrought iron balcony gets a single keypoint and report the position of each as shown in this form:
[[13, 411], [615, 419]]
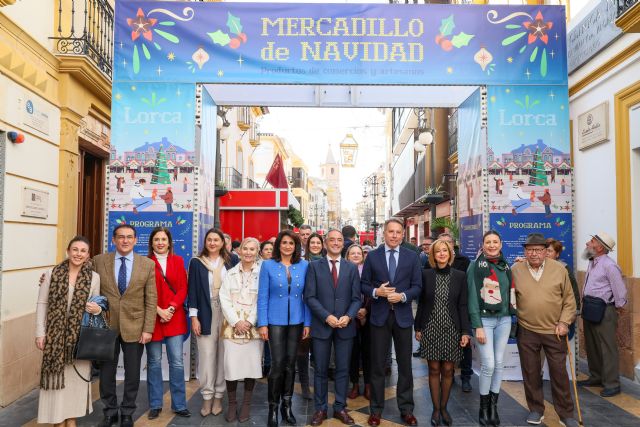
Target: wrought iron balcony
[[85, 28], [232, 178], [252, 184], [625, 5]]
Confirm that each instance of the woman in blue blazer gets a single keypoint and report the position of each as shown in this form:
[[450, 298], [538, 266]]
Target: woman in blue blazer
[[282, 319]]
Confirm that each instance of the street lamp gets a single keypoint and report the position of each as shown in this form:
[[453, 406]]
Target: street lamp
[[425, 138], [374, 187], [348, 151], [316, 210]]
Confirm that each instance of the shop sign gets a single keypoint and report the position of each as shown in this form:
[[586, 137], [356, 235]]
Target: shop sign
[[593, 126]]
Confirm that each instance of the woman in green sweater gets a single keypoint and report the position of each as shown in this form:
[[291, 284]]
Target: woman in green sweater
[[491, 295]]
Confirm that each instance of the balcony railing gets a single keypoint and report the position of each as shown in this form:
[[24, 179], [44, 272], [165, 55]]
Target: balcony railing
[[624, 5], [85, 28], [252, 184], [232, 178]]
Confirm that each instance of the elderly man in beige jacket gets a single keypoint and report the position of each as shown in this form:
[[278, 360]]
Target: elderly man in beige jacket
[[546, 307], [128, 281]]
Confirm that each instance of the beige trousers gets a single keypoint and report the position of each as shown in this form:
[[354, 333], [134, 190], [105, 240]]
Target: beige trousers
[[211, 357]]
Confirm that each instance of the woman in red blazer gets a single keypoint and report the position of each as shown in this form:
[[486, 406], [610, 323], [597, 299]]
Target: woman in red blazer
[[171, 325]]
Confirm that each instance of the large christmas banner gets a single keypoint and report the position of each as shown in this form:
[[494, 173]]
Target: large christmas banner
[[529, 165]]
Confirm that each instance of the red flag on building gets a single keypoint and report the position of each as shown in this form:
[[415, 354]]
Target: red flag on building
[[276, 176]]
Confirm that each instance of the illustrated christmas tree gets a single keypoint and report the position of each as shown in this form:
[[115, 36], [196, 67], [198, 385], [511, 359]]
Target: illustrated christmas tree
[[538, 175], [160, 170]]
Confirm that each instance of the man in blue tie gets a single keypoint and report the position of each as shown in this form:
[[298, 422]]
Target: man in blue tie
[[128, 281], [392, 276], [332, 293]]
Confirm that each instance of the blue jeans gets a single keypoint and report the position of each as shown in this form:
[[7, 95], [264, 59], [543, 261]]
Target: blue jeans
[[176, 373], [496, 329]]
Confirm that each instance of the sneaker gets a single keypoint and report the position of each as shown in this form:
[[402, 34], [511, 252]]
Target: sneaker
[[535, 418], [569, 422], [154, 413]]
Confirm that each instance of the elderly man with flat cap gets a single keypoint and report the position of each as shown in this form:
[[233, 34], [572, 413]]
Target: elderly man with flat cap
[[546, 307], [604, 296]]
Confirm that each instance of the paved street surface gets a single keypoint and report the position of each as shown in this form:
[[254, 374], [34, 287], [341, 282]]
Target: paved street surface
[[622, 410]]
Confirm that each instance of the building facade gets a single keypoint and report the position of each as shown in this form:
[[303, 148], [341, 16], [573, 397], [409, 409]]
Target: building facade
[[331, 175]]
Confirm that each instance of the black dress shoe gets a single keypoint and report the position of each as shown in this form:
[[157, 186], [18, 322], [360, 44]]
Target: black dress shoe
[[126, 421], [610, 392], [435, 418], [154, 413], [590, 383], [466, 385], [416, 353], [446, 418], [183, 413], [109, 421]]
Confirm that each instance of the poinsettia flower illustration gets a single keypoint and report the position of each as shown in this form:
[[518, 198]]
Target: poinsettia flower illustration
[[141, 25], [538, 29]]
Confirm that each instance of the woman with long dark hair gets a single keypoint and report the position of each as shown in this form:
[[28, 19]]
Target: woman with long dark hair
[[171, 325], [283, 318], [62, 301], [206, 273], [315, 247], [491, 297], [442, 325]]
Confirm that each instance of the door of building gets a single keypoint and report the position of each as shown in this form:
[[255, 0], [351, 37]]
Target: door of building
[[91, 191]]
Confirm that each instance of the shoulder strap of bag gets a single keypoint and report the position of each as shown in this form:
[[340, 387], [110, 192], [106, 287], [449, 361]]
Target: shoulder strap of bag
[[81, 377], [167, 282]]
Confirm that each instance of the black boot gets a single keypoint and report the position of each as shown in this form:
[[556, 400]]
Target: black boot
[[272, 419], [303, 375], [494, 418], [286, 412], [485, 404]]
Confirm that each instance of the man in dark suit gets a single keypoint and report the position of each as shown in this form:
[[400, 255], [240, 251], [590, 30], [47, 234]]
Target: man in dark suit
[[332, 293], [128, 281], [393, 278]]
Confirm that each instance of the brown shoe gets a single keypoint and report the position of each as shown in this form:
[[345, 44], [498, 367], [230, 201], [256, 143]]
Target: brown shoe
[[374, 420], [409, 419], [206, 407], [355, 392], [318, 417], [367, 391], [216, 408], [344, 417]]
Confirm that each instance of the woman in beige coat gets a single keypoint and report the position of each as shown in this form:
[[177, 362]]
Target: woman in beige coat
[[62, 301]]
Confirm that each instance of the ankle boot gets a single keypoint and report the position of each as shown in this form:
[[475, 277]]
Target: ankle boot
[[246, 406], [286, 412], [232, 408], [355, 391], [483, 417], [272, 418], [494, 418]]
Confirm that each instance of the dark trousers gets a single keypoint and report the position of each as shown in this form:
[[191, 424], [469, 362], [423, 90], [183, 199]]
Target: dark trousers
[[132, 355], [465, 365], [380, 342], [361, 354], [283, 342], [529, 345], [602, 348], [322, 354]]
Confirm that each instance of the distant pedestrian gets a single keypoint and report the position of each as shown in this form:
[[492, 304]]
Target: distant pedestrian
[[266, 250], [605, 296]]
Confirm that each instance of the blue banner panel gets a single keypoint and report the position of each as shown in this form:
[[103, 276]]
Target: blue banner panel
[[339, 43], [514, 230], [180, 226], [471, 235]]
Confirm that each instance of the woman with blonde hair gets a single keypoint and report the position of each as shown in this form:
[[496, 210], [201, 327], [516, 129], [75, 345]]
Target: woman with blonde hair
[[63, 299], [242, 344]]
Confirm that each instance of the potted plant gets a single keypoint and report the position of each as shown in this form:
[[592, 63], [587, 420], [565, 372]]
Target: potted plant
[[433, 195], [445, 222]]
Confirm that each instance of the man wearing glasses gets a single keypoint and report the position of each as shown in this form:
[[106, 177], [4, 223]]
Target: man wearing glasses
[[128, 281], [546, 307]]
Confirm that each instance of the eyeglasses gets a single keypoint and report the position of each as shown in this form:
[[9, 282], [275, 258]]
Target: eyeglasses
[[534, 250]]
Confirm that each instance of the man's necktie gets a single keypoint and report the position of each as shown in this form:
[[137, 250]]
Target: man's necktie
[[334, 273], [392, 264], [122, 276]]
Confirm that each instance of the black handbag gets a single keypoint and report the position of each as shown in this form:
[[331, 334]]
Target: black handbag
[[96, 343], [593, 309]]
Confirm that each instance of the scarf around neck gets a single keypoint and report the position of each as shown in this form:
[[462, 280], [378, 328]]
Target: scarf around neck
[[487, 285], [63, 327]]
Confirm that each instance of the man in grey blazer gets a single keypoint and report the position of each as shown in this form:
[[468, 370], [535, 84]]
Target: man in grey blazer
[[332, 293], [128, 281]]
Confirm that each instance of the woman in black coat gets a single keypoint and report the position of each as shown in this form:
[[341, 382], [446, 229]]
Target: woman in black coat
[[442, 325]]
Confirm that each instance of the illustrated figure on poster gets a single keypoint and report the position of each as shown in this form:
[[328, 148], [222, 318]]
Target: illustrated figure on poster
[[154, 193], [175, 173], [168, 199], [563, 186], [139, 196], [499, 183], [469, 187], [553, 176], [119, 184], [133, 174], [185, 184], [546, 201], [519, 200]]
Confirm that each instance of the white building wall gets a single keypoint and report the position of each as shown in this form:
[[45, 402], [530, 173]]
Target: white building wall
[[40, 25], [595, 174]]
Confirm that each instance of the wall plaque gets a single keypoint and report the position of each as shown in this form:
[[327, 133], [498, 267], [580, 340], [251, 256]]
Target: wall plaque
[[593, 126], [35, 203]]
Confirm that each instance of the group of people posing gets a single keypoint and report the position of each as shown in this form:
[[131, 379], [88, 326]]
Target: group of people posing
[[350, 302]]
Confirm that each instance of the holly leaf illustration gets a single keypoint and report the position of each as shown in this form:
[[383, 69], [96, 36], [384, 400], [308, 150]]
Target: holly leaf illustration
[[446, 26], [218, 37], [461, 39], [233, 22]]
